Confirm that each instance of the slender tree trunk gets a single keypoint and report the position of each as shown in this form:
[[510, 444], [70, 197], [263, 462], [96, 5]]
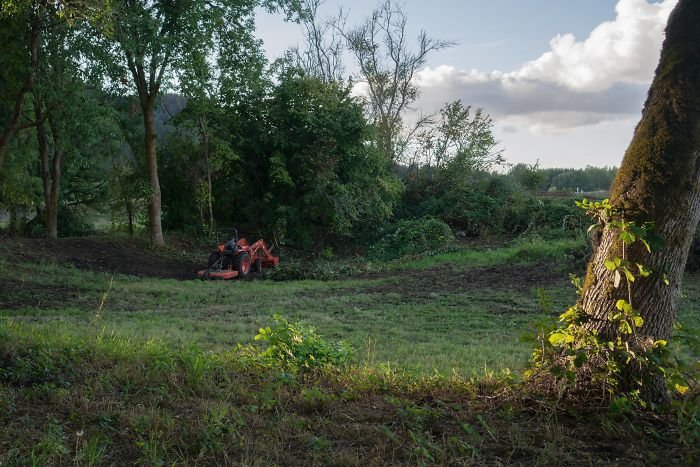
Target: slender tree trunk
[[11, 128], [43, 143], [55, 173], [205, 143], [129, 214], [659, 182], [154, 205], [50, 168]]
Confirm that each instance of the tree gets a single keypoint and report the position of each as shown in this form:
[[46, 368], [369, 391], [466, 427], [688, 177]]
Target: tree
[[20, 22], [305, 164], [224, 75], [658, 182], [464, 142], [17, 76], [323, 52], [529, 176], [388, 67], [154, 42], [54, 96]]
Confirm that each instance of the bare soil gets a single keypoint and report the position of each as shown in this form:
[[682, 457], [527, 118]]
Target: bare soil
[[446, 279], [412, 285], [134, 257], [104, 255]]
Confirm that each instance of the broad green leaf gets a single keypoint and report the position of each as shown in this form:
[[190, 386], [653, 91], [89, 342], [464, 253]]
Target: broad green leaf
[[627, 237], [559, 338], [569, 315]]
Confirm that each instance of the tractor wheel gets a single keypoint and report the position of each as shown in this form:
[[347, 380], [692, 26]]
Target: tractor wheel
[[241, 263], [257, 265], [213, 259]]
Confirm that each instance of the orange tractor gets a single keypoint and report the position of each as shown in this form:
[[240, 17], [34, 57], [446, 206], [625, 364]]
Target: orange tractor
[[236, 258]]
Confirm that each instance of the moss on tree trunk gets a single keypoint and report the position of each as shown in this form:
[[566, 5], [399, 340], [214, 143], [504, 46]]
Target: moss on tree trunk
[[658, 181]]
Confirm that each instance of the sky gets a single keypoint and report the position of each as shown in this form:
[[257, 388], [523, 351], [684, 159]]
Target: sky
[[564, 80]]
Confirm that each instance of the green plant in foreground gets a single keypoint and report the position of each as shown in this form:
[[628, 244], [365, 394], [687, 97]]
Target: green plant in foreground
[[576, 354], [299, 347]]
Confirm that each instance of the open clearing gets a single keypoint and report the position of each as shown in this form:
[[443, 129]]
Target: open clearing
[[99, 365], [465, 314]]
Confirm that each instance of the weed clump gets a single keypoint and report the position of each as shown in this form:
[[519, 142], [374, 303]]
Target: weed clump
[[298, 347]]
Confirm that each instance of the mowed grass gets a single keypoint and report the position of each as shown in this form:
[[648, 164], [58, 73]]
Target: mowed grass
[[464, 329]]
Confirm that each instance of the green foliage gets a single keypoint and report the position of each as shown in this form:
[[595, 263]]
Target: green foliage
[[491, 204], [300, 348], [410, 237], [529, 176], [118, 410], [576, 354], [305, 171], [459, 143]]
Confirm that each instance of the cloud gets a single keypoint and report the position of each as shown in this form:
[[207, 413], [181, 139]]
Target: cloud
[[575, 83]]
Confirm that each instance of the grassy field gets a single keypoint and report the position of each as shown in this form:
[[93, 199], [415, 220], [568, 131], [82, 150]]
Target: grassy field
[[100, 367], [462, 311]]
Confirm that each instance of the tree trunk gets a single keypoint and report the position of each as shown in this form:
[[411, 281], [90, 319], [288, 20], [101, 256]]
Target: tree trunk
[[11, 128], [55, 190], [659, 182], [50, 168], [205, 143], [129, 214], [154, 205], [43, 143]]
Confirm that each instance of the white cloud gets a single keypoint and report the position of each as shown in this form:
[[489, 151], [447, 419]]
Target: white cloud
[[575, 83], [625, 49]]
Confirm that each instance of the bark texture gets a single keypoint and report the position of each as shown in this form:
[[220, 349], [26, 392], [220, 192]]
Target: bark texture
[[154, 204], [148, 85], [51, 166], [658, 181]]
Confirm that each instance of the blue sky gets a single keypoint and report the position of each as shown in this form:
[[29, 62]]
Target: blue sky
[[564, 80]]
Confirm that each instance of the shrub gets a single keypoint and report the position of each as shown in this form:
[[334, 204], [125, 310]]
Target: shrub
[[299, 347], [409, 237]]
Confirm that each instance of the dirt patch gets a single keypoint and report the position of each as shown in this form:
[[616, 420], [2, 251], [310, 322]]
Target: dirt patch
[[421, 284], [445, 279], [103, 255]]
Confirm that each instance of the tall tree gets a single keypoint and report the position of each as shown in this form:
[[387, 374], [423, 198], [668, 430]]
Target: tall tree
[[154, 41], [223, 76], [56, 87], [20, 22], [659, 182], [389, 66]]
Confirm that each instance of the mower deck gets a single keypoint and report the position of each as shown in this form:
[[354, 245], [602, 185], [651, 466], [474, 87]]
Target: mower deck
[[206, 274]]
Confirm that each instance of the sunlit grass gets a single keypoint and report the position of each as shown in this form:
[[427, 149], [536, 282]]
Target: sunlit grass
[[526, 251]]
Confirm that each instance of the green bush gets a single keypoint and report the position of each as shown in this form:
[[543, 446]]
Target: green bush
[[299, 347], [409, 237]]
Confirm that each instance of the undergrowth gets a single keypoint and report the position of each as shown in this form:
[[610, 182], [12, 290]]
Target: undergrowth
[[107, 400]]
